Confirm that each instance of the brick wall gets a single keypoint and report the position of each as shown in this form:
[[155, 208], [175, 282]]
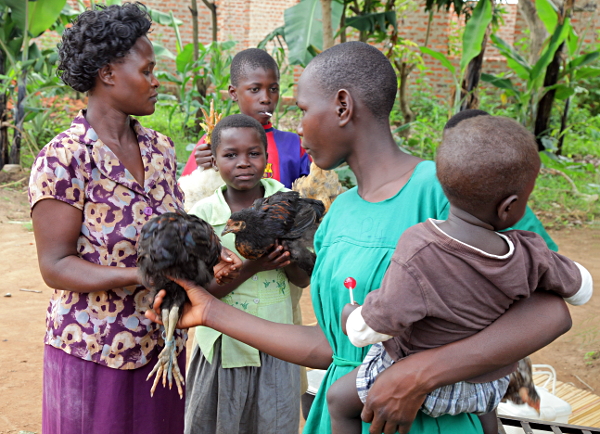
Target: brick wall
[[249, 21]]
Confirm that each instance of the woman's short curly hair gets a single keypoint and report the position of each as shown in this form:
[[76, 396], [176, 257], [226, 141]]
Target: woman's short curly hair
[[97, 37]]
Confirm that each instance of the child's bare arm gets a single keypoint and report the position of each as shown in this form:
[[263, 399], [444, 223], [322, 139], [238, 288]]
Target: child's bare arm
[[297, 276], [276, 259], [302, 345]]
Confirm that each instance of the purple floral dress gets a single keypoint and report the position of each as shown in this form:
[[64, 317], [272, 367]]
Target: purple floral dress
[[106, 327]]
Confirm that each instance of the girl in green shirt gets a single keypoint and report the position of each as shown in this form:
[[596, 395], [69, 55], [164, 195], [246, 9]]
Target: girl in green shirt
[[346, 94]]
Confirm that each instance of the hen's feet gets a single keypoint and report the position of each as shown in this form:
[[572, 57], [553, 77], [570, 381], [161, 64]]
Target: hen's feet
[[167, 366]]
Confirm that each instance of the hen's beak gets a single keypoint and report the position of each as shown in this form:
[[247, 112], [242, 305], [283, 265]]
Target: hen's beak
[[230, 227]]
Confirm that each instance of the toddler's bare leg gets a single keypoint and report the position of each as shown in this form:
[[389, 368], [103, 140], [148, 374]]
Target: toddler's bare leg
[[345, 405], [489, 422]]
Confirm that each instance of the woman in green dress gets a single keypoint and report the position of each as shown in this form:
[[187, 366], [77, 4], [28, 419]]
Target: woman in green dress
[[346, 94]]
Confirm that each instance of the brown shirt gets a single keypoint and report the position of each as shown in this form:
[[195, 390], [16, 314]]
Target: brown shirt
[[438, 290]]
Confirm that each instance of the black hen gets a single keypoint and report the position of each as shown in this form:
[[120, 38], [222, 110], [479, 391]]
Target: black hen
[[283, 217], [177, 245], [521, 389]]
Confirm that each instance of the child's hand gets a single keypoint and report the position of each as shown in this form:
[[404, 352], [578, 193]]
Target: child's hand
[[194, 312], [278, 258], [228, 267], [348, 309], [203, 156]]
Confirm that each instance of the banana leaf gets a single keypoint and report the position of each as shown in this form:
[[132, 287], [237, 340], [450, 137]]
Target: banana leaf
[[514, 60], [41, 13], [373, 22], [303, 29], [539, 69], [442, 59], [502, 83], [474, 32], [579, 62], [548, 14]]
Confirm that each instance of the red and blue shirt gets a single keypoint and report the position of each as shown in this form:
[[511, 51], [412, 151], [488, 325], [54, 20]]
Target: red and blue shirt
[[286, 160]]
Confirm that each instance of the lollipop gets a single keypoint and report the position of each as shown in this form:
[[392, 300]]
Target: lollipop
[[350, 283]]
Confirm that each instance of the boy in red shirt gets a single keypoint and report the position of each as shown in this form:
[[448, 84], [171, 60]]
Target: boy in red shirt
[[255, 87]]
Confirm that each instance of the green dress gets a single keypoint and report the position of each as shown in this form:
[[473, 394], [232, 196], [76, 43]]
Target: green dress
[[357, 239]]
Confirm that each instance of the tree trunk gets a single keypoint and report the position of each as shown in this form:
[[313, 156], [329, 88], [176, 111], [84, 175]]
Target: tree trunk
[[469, 94], [213, 16], [343, 24], [15, 149], [364, 36], [202, 83], [194, 11], [326, 19], [563, 127], [537, 31], [404, 70], [3, 119], [542, 119]]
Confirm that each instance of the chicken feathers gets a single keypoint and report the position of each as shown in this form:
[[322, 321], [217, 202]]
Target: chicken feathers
[[177, 245], [323, 185], [521, 389], [284, 217]]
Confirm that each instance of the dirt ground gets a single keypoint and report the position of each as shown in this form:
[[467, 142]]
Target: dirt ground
[[22, 316]]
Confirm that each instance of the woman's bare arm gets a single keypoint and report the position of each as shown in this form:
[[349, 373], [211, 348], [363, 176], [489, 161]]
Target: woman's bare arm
[[302, 345], [57, 226], [528, 325]]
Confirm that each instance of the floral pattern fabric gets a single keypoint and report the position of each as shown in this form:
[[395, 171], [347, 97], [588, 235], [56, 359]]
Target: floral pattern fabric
[[106, 327]]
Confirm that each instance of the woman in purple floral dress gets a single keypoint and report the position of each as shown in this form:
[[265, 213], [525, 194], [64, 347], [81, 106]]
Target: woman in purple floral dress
[[92, 188]]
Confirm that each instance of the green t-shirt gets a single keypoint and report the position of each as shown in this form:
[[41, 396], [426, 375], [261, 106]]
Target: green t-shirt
[[357, 239]]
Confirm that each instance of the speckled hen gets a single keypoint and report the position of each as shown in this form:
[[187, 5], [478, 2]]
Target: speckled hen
[[182, 246], [284, 217]]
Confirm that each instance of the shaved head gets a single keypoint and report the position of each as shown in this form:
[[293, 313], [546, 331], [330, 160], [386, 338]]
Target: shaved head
[[362, 70], [251, 59], [485, 159]]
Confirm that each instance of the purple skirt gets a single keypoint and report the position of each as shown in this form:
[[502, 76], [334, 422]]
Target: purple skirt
[[84, 397]]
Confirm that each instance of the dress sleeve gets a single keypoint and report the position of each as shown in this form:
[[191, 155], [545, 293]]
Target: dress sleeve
[[59, 173], [398, 303]]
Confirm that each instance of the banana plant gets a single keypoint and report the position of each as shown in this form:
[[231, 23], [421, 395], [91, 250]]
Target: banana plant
[[472, 41], [528, 96], [21, 21], [213, 64], [303, 29], [533, 88]]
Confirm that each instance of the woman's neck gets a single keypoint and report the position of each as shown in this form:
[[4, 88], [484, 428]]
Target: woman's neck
[[240, 199], [112, 126], [381, 168]]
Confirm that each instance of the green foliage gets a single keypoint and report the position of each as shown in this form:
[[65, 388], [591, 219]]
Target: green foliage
[[472, 40], [528, 97], [212, 66], [303, 31], [373, 22]]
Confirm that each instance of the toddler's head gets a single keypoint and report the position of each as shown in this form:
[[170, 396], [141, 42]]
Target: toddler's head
[[255, 83], [486, 163], [239, 147]]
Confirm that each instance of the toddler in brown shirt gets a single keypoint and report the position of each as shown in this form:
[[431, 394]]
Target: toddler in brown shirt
[[449, 279]]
